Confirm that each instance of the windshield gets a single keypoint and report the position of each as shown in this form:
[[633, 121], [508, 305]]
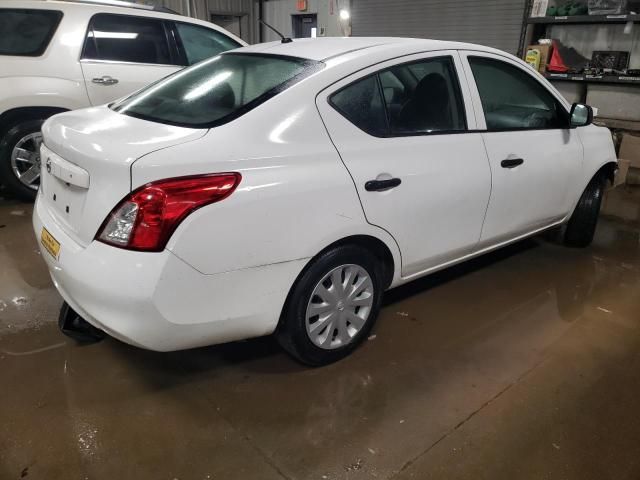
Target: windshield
[[217, 90]]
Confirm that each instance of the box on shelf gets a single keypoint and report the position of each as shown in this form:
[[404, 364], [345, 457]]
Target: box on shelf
[[539, 8], [630, 149], [622, 172], [607, 7], [538, 56]]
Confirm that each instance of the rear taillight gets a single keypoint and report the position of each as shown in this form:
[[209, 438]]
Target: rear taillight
[[146, 218]]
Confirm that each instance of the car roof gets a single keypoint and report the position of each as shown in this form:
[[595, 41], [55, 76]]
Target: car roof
[[325, 48]]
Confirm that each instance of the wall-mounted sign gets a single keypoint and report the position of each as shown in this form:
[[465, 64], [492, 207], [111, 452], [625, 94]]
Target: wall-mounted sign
[[301, 5]]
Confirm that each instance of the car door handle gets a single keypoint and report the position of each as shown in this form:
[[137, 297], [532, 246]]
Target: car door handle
[[106, 80], [511, 162], [380, 185]]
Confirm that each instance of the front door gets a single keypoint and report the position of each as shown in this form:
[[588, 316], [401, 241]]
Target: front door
[[124, 53], [534, 154], [403, 132]]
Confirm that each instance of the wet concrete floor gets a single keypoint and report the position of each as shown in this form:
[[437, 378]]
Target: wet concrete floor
[[524, 364]]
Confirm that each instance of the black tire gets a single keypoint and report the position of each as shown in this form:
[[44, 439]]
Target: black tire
[[74, 326], [582, 224], [292, 332], [8, 141]]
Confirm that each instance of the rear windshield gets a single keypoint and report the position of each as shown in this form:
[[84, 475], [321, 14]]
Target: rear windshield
[[26, 32], [217, 90]]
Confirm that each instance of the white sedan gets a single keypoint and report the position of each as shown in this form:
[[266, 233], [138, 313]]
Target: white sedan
[[284, 187]]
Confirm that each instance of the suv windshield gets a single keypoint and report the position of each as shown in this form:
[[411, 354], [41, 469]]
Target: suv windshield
[[217, 90]]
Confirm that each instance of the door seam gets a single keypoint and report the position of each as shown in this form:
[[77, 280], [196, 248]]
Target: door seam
[[355, 186]]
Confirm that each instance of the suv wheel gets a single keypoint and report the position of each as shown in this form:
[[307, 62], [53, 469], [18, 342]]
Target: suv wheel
[[20, 159]]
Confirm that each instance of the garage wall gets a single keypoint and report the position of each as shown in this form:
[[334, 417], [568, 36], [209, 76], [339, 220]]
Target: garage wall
[[278, 14], [496, 23]]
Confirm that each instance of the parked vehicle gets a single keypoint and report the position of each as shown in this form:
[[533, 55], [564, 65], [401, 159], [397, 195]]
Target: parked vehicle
[[284, 187], [60, 55]]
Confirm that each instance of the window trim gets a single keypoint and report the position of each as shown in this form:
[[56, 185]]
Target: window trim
[[473, 54], [389, 133], [165, 30], [179, 44], [47, 40], [311, 67], [118, 62]]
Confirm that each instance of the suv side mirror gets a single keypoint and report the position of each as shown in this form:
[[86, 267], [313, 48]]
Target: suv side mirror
[[581, 115]]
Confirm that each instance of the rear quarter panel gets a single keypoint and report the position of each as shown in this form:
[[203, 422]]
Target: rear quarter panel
[[295, 197], [29, 91], [53, 79]]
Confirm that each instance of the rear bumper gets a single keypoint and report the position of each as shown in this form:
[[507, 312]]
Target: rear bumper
[[159, 302]]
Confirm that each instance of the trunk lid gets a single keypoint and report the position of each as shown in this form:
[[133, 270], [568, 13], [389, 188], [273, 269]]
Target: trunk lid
[[86, 163]]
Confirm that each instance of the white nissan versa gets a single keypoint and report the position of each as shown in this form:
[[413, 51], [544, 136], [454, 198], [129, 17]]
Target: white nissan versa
[[283, 187]]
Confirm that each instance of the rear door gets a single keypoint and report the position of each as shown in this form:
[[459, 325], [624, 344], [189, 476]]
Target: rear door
[[403, 130], [535, 157], [123, 53]]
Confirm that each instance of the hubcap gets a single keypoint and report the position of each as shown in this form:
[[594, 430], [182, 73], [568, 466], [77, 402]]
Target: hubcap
[[25, 160], [339, 306]]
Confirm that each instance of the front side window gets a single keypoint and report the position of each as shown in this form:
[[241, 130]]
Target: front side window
[[200, 43], [409, 99], [512, 99], [27, 32], [122, 38], [217, 90]]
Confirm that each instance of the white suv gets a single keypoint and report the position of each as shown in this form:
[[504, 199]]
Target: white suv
[[63, 55]]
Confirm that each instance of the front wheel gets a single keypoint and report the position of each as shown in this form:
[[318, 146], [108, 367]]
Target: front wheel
[[332, 306], [582, 224], [20, 159]]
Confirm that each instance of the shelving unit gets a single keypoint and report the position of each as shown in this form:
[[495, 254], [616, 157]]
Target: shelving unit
[[617, 96], [537, 27], [574, 77], [584, 19]]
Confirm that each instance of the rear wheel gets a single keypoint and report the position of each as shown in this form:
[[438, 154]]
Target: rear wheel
[[582, 224], [20, 159], [332, 307]]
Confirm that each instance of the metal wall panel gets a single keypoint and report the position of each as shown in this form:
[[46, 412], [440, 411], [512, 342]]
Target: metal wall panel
[[278, 14], [495, 23]]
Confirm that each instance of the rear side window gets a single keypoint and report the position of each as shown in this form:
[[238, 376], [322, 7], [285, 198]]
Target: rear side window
[[200, 43], [513, 100], [27, 32], [409, 99], [361, 104], [123, 38], [217, 90]]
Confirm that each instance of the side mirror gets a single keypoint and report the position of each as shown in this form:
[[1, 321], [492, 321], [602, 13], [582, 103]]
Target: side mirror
[[581, 115]]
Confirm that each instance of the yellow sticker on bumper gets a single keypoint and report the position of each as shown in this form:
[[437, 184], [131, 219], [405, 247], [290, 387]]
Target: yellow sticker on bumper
[[49, 243]]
